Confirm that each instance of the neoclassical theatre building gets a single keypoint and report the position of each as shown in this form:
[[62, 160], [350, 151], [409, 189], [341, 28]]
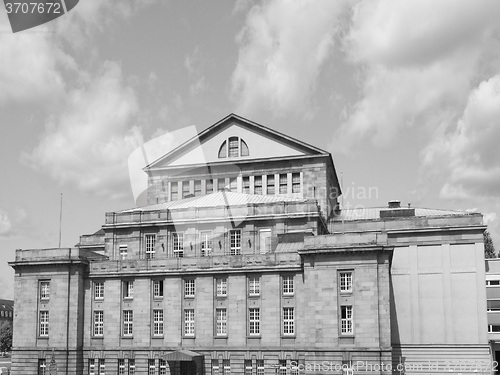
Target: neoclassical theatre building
[[243, 262]]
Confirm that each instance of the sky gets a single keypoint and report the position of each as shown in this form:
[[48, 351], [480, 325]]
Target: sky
[[404, 94]]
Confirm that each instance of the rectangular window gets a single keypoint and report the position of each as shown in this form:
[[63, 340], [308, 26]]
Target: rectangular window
[[265, 240], [346, 320], [254, 286], [189, 322], [99, 290], [246, 185], [92, 362], [206, 243], [128, 322], [233, 184], [221, 184], [102, 367], [283, 183], [235, 238], [131, 367], [221, 287], [197, 188], [158, 322], [248, 367], [295, 182], [174, 191], [270, 184], [215, 367], [221, 316], [189, 288], [294, 367], [151, 367], [44, 323], [345, 282], [227, 366], [260, 367], [150, 243], [209, 187], [42, 367], [98, 323], [128, 289], [185, 189], [282, 367], [157, 288], [178, 244], [233, 147], [163, 367], [44, 289], [287, 285], [254, 321], [121, 366], [257, 185], [288, 321], [123, 252]]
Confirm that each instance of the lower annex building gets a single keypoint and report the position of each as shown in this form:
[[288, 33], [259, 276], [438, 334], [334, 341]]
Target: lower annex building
[[243, 263]]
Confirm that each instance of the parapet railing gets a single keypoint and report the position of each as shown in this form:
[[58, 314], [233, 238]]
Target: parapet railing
[[205, 213], [270, 260]]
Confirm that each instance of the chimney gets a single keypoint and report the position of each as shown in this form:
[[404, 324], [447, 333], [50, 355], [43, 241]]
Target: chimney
[[394, 203]]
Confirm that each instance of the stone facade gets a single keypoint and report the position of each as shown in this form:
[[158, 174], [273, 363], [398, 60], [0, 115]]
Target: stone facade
[[258, 278]]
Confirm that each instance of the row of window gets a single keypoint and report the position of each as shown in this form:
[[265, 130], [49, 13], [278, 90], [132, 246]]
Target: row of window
[[7, 314], [272, 185], [221, 321], [97, 366], [177, 243], [221, 287], [345, 279]]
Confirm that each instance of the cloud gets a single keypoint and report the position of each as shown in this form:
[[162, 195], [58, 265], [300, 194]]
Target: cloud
[[282, 48], [194, 64], [32, 65], [5, 223], [418, 61], [88, 144], [10, 222], [470, 154]]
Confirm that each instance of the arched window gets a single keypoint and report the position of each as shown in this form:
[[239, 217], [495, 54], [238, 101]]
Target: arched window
[[222, 150], [244, 148], [233, 147]]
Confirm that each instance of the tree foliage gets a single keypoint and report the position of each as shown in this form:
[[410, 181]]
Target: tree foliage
[[5, 337], [489, 249]]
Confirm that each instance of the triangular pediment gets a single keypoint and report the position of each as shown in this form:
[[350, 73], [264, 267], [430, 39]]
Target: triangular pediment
[[261, 142]]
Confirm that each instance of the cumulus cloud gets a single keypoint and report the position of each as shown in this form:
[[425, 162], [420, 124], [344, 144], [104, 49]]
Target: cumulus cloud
[[282, 48], [88, 144], [418, 62], [5, 224], [10, 221], [23, 78], [470, 154]]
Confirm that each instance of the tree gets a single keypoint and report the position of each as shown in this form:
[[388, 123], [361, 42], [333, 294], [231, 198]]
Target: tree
[[489, 249], [5, 337]]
